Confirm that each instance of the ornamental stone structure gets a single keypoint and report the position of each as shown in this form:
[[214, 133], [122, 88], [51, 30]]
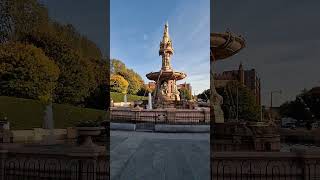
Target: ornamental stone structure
[[166, 91], [222, 46]]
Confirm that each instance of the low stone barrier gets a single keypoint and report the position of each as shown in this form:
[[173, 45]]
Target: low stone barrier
[[164, 128], [182, 128], [38, 134], [123, 126], [164, 116]]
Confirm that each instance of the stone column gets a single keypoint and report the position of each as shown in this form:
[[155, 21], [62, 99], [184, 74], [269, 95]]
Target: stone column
[[149, 101]]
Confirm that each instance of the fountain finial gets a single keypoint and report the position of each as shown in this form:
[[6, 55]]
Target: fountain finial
[[166, 36]]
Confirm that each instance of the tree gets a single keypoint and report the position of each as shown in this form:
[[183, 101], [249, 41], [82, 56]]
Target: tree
[[247, 106], [204, 95], [134, 79], [26, 72], [87, 49], [185, 94], [77, 77], [99, 98], [118, 84], [82, 68], [25, 16], [5, 21], [117, 67], [306, 106]]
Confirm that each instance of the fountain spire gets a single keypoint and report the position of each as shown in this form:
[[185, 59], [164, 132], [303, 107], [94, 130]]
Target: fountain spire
[[166, 49]]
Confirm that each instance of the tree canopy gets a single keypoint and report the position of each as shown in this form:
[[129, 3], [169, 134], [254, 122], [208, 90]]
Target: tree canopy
[[247, 106], [83, 72], [25, 71], [118, 84], [306, 106], [136, 83]]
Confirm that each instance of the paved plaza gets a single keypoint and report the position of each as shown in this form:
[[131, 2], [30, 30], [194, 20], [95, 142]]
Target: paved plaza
[[159, 156]]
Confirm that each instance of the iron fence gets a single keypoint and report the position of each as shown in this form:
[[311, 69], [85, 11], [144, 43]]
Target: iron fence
[[266, 166], [49, 168]]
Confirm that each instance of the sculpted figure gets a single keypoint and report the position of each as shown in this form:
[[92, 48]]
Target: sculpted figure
[[164, 88]]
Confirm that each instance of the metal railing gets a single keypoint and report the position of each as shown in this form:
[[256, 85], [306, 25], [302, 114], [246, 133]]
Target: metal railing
[[265, 166], [37, 167]]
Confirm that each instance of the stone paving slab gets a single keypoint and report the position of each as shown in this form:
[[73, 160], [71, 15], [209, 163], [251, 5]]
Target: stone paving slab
[[159, 156]]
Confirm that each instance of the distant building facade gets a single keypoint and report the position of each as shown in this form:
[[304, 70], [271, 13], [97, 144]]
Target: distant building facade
[[248, 78]]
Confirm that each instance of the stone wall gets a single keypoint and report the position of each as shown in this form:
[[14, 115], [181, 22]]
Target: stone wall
[[168, 116], [38, 134]]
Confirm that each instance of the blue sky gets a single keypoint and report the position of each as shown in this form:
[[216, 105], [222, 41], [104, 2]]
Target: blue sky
[[136, 29]]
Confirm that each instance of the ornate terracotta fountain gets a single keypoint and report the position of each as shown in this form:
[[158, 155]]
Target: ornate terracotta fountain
[[166, 92]]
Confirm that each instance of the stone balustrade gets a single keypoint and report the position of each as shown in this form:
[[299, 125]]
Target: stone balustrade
[[166, 116]]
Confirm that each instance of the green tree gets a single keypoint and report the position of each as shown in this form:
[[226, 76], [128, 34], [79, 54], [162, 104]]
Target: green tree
[[99, 98], [247, 106], [87, 49], [185, 94], [306, 106], [135, 81], [118, 84], [5, 21], [77, 76], [204, 95], [82, 68], [117, 67], [26, 72], [25, 16]]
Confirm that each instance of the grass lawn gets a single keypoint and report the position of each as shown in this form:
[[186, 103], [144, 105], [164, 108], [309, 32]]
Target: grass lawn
[[28, 114], [118, 97]]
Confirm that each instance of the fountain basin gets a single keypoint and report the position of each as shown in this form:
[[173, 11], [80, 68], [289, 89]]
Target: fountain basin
[[224, 45], [166, 75]]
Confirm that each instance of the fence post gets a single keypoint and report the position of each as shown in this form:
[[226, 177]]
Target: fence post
[[3, 157]]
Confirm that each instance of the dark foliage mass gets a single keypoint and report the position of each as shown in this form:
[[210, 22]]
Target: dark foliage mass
[[82, 71], [234, 93], [306, 106]]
